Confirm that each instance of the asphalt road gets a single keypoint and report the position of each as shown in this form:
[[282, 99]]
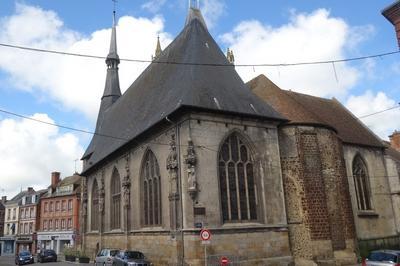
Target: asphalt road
[[9, 261]]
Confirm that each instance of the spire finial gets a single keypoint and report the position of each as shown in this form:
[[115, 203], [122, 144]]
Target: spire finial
[[194, 4], [114, 7], [158, 48]]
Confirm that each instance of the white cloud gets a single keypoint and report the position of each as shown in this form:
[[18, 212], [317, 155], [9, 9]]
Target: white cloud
[[212, 10], [31, 151], [382, 124], [308, 37], [154, 5], [76, 83]]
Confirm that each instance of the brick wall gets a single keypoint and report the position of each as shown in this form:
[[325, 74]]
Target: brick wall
[[316, 191], [315, 200]]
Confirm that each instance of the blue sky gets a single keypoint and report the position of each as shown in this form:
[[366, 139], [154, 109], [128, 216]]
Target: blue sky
[[67, 90]]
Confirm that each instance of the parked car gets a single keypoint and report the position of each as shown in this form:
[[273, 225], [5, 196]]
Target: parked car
[[47, 255], [106, 257], [383, 258], [24, 257], [131, 258]]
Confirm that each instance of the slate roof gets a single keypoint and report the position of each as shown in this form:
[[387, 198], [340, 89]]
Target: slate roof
[[75, 180], [162, 89], [305, 109]]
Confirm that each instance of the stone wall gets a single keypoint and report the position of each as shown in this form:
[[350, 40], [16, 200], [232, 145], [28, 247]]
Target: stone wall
[[379, 222], [259, 241], [393, 173], [317, 197]]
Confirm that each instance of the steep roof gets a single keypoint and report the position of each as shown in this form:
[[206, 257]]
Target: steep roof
[[162, 89], [305, 109]]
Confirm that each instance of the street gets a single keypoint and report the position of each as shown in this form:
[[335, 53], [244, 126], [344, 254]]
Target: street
[[9, 261]]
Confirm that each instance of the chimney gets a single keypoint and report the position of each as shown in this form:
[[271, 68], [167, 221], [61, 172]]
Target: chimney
[[395, 140], [4, 199], [392, 13], [30, 189], [55, 178]]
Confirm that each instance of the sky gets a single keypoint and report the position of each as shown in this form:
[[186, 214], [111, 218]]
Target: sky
[[66, 90]]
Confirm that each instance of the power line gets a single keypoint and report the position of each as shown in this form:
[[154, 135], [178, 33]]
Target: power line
[[125, 139], [60, 126], [379, 112], [32, 49]]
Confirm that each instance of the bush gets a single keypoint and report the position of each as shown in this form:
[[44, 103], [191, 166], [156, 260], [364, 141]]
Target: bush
[[70, 251], [82, 254]]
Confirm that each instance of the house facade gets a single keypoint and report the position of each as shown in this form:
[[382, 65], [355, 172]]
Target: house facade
[[59, 214], [2, 217], [28, 221], [11, 225]]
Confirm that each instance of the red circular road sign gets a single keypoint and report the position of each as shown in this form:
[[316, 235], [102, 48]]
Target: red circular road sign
[[205, 235], [224, 261]]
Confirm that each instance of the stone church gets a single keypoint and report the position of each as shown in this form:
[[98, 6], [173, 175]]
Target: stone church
[[275, 176]]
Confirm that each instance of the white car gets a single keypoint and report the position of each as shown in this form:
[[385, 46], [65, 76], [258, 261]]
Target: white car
[[106, 257]]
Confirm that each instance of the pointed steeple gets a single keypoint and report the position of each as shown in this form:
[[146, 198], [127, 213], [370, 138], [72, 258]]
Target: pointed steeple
[[158, 49], [112, 90]]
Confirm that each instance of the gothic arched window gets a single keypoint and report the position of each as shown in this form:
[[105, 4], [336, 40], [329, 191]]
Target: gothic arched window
[[361, 183], [115, 210], [94, 214], [151, 190], [237, 181]]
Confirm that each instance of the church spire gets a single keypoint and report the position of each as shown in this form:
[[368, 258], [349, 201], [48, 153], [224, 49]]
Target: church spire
[[112, 90], [158, 49]]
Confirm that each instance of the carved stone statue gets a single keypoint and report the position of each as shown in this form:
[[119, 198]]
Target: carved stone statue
[[101, 194], [84, 196], [126, 184], [190, 161], [172, 166]]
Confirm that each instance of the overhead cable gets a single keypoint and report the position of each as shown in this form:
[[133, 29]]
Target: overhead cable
[[379, 112], [32, 49], [125, 139]]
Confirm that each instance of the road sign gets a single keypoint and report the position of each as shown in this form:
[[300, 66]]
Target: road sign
[[205, 235], [224, 261]]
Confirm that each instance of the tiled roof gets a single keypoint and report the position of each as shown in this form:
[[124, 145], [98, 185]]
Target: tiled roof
[[305, 109]]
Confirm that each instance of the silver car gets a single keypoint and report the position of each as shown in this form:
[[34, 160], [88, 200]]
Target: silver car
[[106, 257], [383, 258], [131, 258]]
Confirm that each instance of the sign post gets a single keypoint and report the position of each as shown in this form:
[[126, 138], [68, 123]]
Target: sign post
[[205, 236]]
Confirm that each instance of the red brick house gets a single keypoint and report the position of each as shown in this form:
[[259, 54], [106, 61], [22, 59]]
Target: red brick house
[[59, 213]]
